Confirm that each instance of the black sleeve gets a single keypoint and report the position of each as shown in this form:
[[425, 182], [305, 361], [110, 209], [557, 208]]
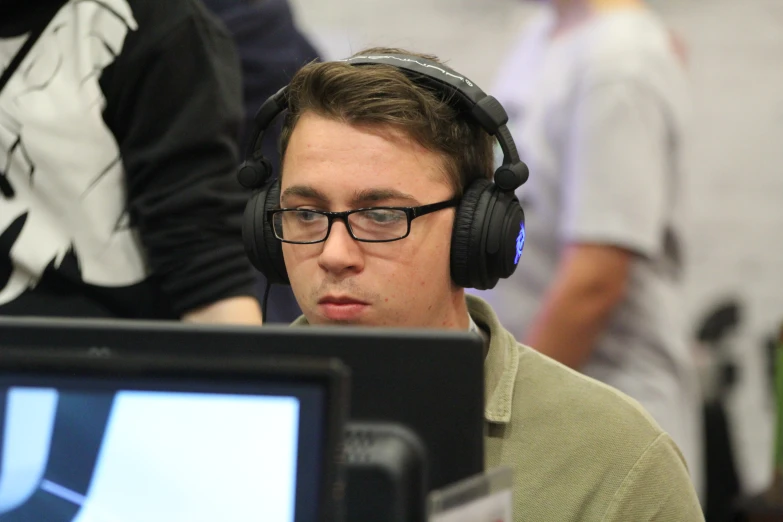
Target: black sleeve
[[271, 50], [174, 102]]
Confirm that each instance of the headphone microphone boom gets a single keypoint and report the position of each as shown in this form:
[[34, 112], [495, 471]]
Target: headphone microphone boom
[[489, 224]]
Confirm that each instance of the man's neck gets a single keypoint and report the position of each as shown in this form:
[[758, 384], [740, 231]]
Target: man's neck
[[572, 12], [457, 317]]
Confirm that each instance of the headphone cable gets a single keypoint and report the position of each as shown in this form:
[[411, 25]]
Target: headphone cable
[[265, 301]]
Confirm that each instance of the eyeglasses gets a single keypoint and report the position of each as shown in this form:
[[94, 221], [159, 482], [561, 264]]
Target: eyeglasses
[[369, 225]]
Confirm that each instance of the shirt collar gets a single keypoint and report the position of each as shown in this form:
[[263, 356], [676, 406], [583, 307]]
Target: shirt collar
[[500, 364], [473, 328]]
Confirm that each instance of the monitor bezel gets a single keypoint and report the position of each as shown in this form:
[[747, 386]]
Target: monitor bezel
[[238, 373], [451, 362]]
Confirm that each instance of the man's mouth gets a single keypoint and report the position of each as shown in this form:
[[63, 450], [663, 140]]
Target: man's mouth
[[341, 308], [333, 299]]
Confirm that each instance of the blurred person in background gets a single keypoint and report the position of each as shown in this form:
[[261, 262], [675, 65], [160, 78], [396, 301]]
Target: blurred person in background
[[271, 49], [118, 148], [599, 101]]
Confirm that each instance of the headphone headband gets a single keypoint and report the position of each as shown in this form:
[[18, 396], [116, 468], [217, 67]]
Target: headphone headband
[[426, 69], [274, 106], [479, 107]]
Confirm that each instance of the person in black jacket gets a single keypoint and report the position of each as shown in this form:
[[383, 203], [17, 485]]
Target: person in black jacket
[[119, 122], [271, 49]]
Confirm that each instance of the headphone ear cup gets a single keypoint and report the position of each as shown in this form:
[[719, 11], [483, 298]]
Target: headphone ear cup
[[488, 236], [467, 238], [261, 246]]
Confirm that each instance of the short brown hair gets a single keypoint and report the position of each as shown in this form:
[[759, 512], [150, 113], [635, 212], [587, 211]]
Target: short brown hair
[[383, 96]]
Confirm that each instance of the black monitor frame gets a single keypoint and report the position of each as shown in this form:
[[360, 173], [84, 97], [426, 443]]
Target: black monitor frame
[[431, 381], [194, 372]]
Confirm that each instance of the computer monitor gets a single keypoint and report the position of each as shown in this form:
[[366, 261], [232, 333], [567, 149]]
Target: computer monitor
[[431, 381], [160, 438]]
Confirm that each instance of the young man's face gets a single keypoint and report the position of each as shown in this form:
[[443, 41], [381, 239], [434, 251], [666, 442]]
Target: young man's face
[[334, 166]]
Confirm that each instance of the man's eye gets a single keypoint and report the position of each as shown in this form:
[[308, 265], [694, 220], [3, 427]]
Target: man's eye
[[384, 216], [306, 215]]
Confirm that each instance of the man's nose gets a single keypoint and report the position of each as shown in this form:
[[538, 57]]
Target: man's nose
[[341, 253]]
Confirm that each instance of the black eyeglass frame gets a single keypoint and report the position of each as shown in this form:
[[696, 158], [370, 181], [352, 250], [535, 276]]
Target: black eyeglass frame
[[411, 213]]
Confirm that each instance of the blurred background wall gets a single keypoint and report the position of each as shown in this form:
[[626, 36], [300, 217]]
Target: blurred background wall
[[736, 159], [470, 34]]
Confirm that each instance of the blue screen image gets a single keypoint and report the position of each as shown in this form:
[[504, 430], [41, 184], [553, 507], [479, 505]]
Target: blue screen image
[[153, 456]]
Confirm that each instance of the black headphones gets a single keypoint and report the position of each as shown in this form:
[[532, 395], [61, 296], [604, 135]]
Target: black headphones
[[489, 225]]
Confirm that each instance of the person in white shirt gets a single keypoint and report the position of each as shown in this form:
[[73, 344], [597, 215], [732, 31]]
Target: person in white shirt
[[598, 98]]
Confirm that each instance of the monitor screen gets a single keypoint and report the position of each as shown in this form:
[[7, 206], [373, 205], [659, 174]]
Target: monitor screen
[[88, 450]]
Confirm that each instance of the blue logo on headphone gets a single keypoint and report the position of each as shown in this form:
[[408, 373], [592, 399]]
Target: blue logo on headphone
[[520, 243]]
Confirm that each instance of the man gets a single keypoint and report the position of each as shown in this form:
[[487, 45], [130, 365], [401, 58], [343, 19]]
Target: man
[[368, 137], [118, 129], [597, 95]]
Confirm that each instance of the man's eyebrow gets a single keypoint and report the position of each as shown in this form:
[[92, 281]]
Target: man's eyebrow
[[303, 191], [364, 197]]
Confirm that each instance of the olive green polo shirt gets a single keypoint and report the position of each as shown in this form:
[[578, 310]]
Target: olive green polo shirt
[[580, 450]]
